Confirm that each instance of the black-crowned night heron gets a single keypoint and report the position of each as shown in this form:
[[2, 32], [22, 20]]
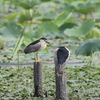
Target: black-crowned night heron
[[61, 57], [36, 46]]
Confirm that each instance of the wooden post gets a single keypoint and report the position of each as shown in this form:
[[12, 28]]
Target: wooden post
[[38, 79], [60, 59], [61, 93]]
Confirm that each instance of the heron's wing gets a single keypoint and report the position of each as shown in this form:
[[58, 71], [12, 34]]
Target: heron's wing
[[62, 55], [32, 48]]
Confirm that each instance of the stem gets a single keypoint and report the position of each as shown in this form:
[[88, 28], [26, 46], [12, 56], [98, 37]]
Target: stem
[[91, 59], [23, 31], [18, 61]]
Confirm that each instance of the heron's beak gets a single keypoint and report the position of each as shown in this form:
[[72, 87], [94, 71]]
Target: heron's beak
[[47, 42]]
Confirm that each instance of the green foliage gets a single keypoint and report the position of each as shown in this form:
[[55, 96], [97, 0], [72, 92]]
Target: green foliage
[[1, 2], [39, 33], [32, 36], [26, 5], [17, 45], [12, 16], [65, 26], [49, 27], [95, 1], [94, 33], [10, 30], [82, 30], [88, 47], [63, 17], [84, 7], [46, 0], [28, 15], [49, 16], [19, 84], [62, 23]]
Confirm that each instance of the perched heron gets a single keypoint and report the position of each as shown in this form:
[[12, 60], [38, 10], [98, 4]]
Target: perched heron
[[61, 57], [36, 46]]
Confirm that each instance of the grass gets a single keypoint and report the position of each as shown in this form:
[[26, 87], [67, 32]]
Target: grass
[[83, 83]]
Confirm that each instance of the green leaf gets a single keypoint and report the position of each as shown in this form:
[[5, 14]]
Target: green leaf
[[62, 18], [49, 16], [49, 27], [1, 2], [27, 41], [24, 16], [82, 30], [88, 47], [95, 1], [28, 15], [17, 45], [94, 33], [66, 25], [29, 35], [36, 33], [84, 7], [39, 33], [11, 30], [27, 5], [33, 35], [45, 0], [12, 16], [66, 7]]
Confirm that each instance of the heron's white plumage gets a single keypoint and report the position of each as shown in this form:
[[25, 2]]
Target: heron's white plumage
[[43, 45]]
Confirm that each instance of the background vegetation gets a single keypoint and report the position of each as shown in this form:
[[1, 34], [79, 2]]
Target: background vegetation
[[71, 23]]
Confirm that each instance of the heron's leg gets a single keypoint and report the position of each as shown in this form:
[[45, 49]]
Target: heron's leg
[[36, 56]]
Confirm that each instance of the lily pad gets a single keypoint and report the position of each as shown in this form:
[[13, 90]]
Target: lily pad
[[88, 47], [82, 30]]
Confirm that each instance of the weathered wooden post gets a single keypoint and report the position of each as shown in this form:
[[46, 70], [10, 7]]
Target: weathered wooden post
[[38, 79], [60, 59]]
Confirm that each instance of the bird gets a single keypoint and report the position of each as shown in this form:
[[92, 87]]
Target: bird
[[61, 56], [36, 46]]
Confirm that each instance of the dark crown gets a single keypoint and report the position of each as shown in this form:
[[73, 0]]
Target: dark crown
[[43, 38]]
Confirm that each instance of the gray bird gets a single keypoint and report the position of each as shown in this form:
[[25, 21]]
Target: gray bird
[[36, 46]]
